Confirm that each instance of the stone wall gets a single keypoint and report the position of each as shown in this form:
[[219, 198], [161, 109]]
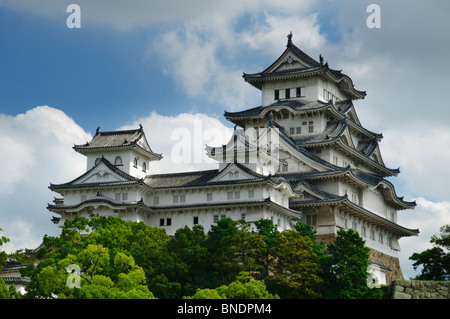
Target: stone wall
[[419, 289], [390, 262]]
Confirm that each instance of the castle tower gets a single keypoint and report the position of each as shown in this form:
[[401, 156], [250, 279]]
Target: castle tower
[[330, 159]]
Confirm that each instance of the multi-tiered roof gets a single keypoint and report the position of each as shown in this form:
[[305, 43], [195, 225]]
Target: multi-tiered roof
[[343, 133]]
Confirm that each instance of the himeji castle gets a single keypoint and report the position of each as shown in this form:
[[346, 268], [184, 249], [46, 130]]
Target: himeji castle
[[302, 155]]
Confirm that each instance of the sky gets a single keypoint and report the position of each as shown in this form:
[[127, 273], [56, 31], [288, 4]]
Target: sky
[[173, 64]]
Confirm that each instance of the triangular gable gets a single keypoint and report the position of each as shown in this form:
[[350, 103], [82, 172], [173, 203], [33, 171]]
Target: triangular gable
[[347, 138], [353, 116], [303, 155], [290, 59], [100, 173], [235, 171]]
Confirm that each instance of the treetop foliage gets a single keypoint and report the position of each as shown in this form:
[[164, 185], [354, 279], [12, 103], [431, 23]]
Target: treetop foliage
[[234, 259]]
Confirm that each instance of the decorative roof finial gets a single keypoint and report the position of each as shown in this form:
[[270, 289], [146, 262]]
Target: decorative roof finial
[[321, 59], [289, 43], [97, 131]]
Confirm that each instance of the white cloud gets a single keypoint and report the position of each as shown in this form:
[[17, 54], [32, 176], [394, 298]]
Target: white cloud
[[422, 154], [428, 216], [196, 54], [36, 151]]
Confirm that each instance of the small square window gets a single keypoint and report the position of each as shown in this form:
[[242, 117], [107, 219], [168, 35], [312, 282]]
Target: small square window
[[230, 195], [292, 130], [237, 195], [175, 198], [251, 193], [168, 221], [182, 198], [161, 222], [216, 218], [124, 196], [156, 200], [298, 130], [277, 95], [209, 197], [195, 220]]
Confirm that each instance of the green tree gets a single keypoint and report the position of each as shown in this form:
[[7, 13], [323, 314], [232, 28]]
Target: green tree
[[344, 269], [102, 248], [3, 254], [6, 293], [94, 262], [294, 269], [436, 260], [267, 232], [188, 249], [244, 287], [220, 244]]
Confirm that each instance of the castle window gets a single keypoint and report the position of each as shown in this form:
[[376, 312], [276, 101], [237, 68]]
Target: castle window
[[161, 222], [311, 220], [182, 198], [117, 196], [176, 198], [144, 167], [195, 221], [135, 162], [118, 160], [311, 127], [380, 238], [299, 92], [124, 196], [292, 130], [209, 197], [298, 130], [156, 200], [169, 222], [216, 218], [288, 93], [277, 95], [251, 193], [243, 216]]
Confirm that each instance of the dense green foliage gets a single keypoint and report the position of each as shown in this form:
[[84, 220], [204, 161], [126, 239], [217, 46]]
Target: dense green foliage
[[435, 261], [344, 268], [121, 259]]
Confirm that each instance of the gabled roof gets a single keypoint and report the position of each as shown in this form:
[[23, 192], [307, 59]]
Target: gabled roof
[[363, 179], [124, 178], [118, 140], [207, 178], [98, 200], [306, 66]]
